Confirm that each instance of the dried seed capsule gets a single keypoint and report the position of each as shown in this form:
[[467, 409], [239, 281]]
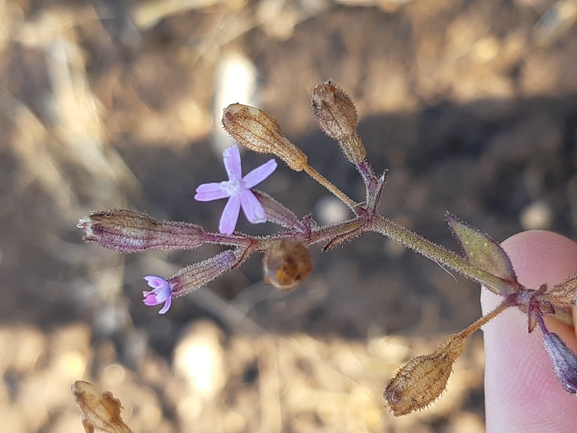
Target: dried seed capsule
[[260, 132], [336, 115], [130, 231], [287, 264], [420, 381]]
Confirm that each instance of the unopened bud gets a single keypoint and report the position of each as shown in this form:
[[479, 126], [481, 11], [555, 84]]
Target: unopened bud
[[197, 275], [420, 381], [564, 361], [336, 115], [287, 264], [130, 231], [260, 132]]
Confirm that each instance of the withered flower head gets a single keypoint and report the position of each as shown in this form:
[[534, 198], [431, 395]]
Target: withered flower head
[[260, 132], [336, 115], [100, 410], [129, 231], [287, 264], [420, 381]]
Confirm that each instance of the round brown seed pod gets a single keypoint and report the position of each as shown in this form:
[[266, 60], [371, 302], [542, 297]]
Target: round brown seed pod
[[287, 264]]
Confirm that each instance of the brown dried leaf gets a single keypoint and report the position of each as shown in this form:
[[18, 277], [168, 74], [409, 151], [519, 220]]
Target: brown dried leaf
[[100, 410]]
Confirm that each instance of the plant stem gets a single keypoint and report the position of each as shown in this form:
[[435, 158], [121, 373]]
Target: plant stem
[[437, 253], [480, 322], [328, 185]]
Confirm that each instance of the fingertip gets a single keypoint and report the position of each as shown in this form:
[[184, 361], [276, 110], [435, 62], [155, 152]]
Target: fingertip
[[521, 391]]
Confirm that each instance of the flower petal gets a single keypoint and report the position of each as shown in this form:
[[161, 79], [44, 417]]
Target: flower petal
[[167, 305], [230, 215], [210, 191], [157, 283], [232, 164], [150, 299], [162, 292], [251, 207], [259, 174]]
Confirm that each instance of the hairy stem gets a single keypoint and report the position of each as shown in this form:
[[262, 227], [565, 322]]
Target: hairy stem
[[328, 185], [480, 322], [436, 253]]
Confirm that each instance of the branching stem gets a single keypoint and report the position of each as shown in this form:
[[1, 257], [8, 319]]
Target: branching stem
[[436, 253]]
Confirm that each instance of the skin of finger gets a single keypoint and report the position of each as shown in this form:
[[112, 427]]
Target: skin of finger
[[521, 391]]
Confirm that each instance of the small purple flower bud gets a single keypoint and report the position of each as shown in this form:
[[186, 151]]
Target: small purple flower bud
[[162, 292], [564, 361]]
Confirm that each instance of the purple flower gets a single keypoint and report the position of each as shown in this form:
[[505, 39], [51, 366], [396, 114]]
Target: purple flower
[[162, 292], [237, 188]]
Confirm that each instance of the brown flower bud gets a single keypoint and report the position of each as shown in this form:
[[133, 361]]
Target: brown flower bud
[[287, 264], [260, 132], [420, 381], [336, 115], [129, 231]]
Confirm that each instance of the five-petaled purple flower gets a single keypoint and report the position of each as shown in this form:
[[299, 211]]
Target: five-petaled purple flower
[[161, 292], [237, 188]]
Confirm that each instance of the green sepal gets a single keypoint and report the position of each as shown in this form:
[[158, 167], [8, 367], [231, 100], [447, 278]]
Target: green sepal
[[484, 253]]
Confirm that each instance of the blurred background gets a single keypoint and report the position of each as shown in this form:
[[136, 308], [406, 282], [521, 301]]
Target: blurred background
[[470, 105]]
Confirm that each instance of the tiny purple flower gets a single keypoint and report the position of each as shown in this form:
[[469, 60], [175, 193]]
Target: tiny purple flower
[[161, 292], [237, 189]]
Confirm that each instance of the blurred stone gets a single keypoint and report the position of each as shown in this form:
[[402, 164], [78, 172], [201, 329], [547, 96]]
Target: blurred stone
[[235, 81], [537, 215], [22, 348], [198, 359], [486, 49], [331, 210]]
